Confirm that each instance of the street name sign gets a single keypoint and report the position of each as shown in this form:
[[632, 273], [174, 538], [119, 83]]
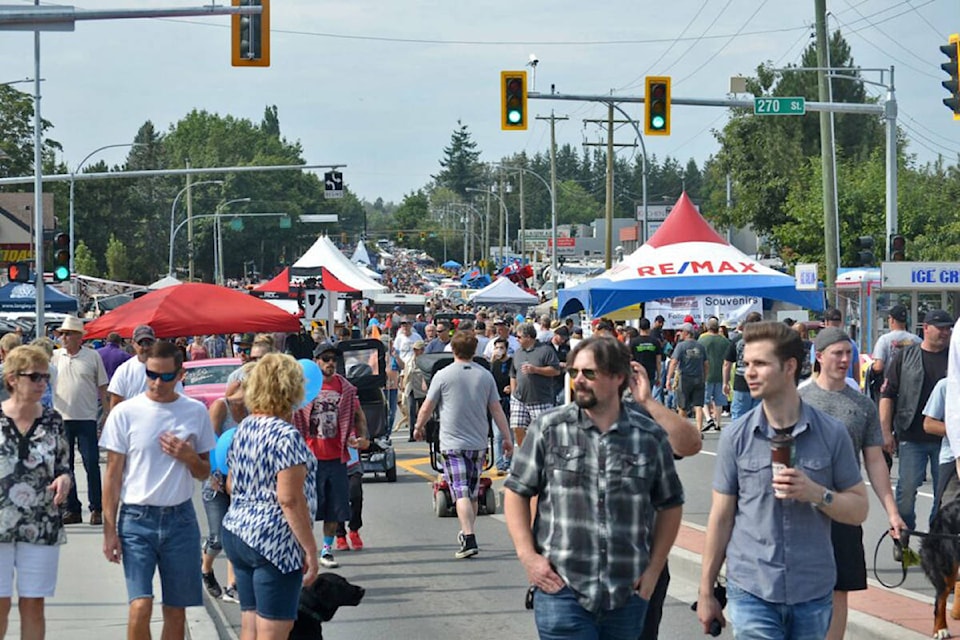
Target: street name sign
[[779, 106]]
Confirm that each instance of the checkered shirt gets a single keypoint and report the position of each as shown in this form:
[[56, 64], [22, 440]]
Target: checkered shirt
[[598, 494]]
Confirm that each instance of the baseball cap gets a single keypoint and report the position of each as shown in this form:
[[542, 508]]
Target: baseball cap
[[689, 318], [578, 331], [938, 318], [144, 332], [499, 321], [829, 336], [324, 347], [898, 312]]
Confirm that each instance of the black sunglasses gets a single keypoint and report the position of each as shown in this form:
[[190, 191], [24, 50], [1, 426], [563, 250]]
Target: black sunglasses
[[165, 377], [34, 376], [327, 358], [589, 374], [146, 343]]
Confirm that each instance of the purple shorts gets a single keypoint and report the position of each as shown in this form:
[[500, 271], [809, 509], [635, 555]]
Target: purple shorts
[[462, 470]]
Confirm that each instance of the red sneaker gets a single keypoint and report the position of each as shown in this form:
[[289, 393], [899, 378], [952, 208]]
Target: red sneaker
[[355, 542], [341, 544]]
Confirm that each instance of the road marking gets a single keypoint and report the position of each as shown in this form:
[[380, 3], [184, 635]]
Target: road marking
[[430, 476]]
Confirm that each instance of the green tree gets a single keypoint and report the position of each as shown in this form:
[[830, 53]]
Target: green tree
[[461, 163], [83, 260], [118, 263], [16, 136]]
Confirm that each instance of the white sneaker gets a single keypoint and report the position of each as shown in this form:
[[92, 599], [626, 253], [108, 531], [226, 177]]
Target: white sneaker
[[327, 560]]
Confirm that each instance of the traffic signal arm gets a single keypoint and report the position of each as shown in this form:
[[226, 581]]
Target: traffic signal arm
[[250, 35]]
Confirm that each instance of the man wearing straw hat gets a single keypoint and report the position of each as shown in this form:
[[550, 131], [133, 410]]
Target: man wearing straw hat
[[81, 382]]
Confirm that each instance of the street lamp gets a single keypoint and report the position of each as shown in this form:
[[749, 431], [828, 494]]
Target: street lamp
[[73, 175], [218, 240], [173, 210], [506, 214]]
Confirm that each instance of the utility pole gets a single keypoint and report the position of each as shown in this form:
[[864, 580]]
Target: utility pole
[[523, 224], [486, 239], [830, 222], [500, 225], [610, 145], [189, 226], [553, 197]]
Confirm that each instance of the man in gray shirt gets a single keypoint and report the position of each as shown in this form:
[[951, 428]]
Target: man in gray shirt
[[831, 394], [465, 393], [892, 341], [690, 359], [531, 380], [780, 570]]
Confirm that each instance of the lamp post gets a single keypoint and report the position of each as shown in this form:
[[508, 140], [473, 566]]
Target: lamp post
[[173, 210], [506, 214], [218, 242], [73, 182]]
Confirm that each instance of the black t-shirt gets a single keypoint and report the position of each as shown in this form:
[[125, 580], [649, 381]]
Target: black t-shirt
[[501, 374], [645, 350], [934, 369], [735, 356]]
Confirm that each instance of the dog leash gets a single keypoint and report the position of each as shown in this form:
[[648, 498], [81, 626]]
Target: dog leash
[[910, 558]]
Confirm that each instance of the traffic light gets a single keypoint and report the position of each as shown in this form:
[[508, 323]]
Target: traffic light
[[423, 236], [513, 100], [61, 257], [898, 248], [400, 236], [18, 272], [250, 35], [865, 257], [656, 106], [952, 68]]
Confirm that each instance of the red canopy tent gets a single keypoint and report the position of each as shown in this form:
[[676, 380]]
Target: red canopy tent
[[191, 309], [280, 287]]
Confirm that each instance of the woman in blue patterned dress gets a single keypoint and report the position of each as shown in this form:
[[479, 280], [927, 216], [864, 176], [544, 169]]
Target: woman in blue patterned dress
[[34, 482], [268, 530]]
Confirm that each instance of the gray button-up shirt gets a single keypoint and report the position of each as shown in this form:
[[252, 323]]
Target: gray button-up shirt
[[780, 550], [599, 493]]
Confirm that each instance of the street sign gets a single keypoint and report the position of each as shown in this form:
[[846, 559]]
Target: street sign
[[319, 217], [806, 275], [332, 185], [934, 276], [317, 304], [779, 106]]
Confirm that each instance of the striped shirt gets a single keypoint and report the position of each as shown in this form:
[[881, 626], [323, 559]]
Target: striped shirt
[[598, 496]]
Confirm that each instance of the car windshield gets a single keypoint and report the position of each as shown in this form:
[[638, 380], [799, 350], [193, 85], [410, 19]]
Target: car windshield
[[213, 374]]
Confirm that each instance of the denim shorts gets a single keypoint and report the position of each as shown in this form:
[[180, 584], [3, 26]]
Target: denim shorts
[[713, 392], [260, 585], [167, 538], [333, 491], [755, 619]]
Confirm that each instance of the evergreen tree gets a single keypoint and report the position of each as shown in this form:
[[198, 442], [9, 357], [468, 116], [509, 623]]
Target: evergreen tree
[[461, 163]]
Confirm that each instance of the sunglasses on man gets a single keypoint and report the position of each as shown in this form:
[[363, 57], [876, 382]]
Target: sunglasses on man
[[589, 374], [327, 357], [169, 376]]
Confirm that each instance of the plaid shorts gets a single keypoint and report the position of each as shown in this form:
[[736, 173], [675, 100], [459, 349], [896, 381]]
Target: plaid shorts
[[521, 415], [462, 470]]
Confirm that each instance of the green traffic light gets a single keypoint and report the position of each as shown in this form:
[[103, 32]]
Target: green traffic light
[[514, 116], [657, 122], [61, 273]]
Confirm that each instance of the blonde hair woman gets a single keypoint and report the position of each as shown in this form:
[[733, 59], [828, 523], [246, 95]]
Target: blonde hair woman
[[268, 530], [33, 464]]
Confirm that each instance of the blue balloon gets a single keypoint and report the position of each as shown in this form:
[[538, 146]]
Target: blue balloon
[[313, 381], [223, 447]]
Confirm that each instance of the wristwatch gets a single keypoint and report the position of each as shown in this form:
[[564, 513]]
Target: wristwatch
[[826, 499]]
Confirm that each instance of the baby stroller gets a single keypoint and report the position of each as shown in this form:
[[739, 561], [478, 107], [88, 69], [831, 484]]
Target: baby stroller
[[443, 504], [363, 363]]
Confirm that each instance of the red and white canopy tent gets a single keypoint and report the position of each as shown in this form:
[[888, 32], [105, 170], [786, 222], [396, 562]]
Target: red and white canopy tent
[[685, 257]]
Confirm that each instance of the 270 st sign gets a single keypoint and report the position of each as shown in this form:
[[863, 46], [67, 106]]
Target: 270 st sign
[[692, 267], [790, 106]]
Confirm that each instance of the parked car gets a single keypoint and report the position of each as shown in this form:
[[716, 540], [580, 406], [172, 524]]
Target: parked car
[[206, 380]]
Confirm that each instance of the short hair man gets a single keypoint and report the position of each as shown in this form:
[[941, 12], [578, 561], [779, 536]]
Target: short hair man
[[609, 578], [439, 344], [403, 343], [158, 445], [911, 376], [833, 318], [763, 537], [502, 328], [742, 401], [113, 353], [81, 385], [465, 393], [831, 394], [715, 346], [531, 380], [130, 378], [690, 359], [893, 340], [329, 424], [648, 351]]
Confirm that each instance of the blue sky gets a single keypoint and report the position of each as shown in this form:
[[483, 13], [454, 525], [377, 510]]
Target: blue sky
[[380, 85]]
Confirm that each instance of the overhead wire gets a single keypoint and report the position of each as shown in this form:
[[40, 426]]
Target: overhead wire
[[887, 35], [724, 46], [856, 32]]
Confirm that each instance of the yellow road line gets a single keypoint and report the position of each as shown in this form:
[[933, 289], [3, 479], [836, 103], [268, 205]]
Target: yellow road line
[[431, 475]]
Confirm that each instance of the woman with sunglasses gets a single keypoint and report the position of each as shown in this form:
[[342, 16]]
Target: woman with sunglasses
[[36, 479], [268, 530]]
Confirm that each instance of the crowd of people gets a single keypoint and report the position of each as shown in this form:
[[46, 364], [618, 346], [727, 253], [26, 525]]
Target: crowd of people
[[583, 428]]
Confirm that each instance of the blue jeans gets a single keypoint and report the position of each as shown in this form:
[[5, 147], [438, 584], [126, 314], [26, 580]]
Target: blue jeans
[[391, 409], [756, 619], [559, 616], [83, 433], [164, 538], [914, 459], [742, 403], [500, 461], [260, 585], [215, 505]]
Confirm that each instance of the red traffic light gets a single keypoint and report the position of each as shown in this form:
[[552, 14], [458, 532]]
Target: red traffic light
[[18, 272]]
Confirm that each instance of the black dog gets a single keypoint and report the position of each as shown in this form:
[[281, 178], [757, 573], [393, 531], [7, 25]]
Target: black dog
[[940, 558], [320, 601]]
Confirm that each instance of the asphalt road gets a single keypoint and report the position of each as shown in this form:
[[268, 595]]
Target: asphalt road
[[417, 589]]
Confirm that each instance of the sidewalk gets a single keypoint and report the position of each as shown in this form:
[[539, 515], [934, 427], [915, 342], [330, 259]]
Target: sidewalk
[[91, 598], [878, 612]]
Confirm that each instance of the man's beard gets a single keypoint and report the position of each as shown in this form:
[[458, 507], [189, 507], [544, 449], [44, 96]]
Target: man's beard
[[585, 398]]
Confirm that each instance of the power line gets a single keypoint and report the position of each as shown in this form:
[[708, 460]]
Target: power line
[[725, 44], [886, 35]]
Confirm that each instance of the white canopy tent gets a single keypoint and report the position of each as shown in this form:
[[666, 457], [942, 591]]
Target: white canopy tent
[[503, 291], [323, 257]]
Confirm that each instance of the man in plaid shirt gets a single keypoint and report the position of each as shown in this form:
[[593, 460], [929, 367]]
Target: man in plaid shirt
[[609, 507]]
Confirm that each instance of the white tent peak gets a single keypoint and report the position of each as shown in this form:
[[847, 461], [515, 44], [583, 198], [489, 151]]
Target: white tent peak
[[360, 254]]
